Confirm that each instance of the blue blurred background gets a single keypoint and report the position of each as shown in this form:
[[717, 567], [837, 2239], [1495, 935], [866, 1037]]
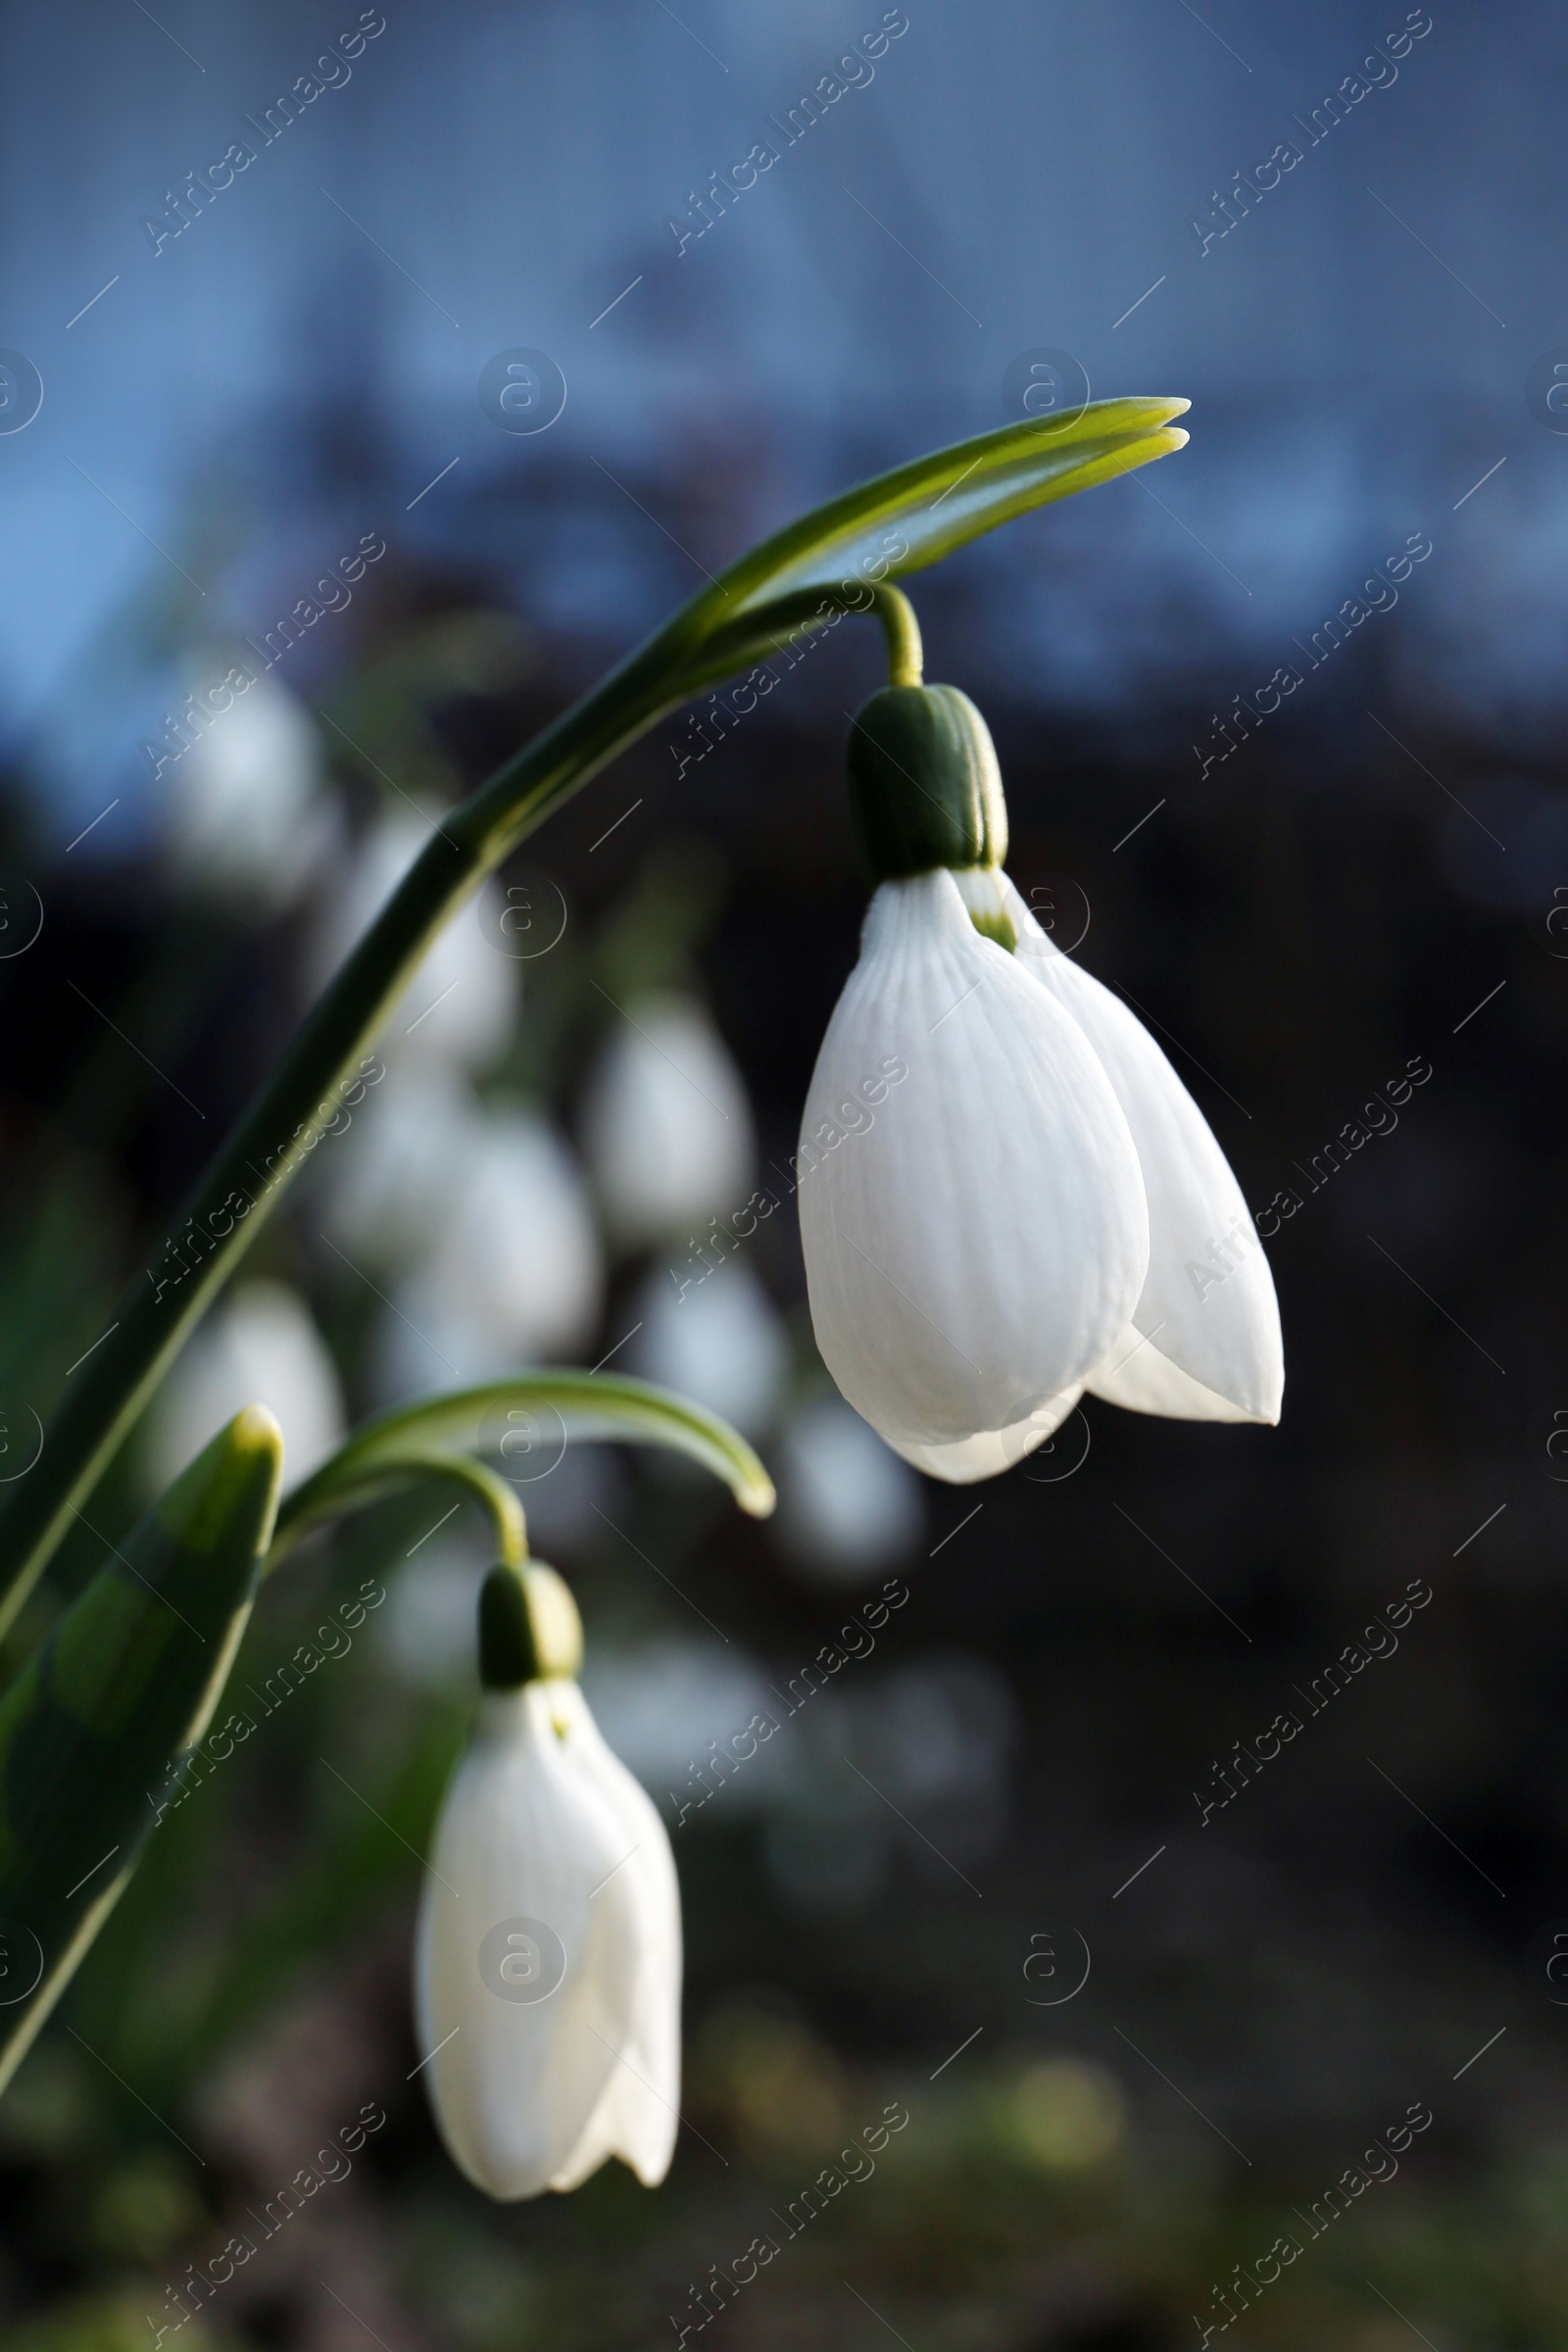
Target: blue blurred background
[[1304, 900]]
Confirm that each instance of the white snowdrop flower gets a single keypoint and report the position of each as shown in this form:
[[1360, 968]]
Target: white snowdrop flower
[[845, 1502], [462, 1000], [259, 1345], [716, 1339], [548, 1974], [242, 808], [1007, 1193], [666, 1128]]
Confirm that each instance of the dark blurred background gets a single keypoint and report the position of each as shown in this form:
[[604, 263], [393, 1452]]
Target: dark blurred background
[[898, 1899]]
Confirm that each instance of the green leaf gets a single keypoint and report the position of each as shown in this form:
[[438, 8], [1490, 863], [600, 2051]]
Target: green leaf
[[540, 1411], [930, 506], [121, 1687]]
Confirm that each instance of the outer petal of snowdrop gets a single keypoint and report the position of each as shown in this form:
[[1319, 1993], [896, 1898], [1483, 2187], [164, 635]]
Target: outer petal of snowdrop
[[1204, 1340]]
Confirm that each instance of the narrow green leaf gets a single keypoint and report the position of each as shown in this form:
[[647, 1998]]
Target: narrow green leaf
[[546, 1409], [121, 1689], [930, 506]]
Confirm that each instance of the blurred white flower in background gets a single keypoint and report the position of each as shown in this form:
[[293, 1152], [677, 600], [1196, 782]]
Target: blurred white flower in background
[[845, 1502], [389, 1181], [259, 1345], [462, 999], [666, 1128], [514, 1272], [720, 1341], [243, 815]]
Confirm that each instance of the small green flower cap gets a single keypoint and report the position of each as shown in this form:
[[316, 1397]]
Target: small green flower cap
[[926, 789], [529, 1627]]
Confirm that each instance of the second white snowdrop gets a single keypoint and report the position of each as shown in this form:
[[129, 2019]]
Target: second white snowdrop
[[1041, 1208], [547, 1981]]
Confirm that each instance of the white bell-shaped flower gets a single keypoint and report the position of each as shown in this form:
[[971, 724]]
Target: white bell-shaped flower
[[462, 1000], [259, 1345], [1007, 1193], [666, 1128], [972, 1208], [547, 1985]]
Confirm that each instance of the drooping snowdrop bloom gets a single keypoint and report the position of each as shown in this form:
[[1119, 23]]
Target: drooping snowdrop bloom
[[667, 1126], [546, 1984], [259, 1345], [1007, 1196], [462, 999]]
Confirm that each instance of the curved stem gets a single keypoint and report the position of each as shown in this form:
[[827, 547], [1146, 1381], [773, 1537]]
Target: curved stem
[[902, 629], [354, 1492]]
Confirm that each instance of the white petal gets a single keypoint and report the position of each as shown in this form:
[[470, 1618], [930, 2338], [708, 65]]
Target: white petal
[[638, 2115], [1208, 1305], [993, 1450], [977, 1237], [539, 1824]]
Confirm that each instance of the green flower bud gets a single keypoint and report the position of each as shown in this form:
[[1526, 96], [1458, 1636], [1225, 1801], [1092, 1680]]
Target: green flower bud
[[529, 1627], [926, 789]]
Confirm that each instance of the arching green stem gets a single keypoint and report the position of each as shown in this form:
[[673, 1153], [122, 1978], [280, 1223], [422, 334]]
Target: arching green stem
[[353, 1490], [806, 577]]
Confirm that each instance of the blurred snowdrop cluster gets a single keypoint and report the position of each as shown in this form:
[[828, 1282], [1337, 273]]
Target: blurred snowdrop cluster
[[258, 1346]]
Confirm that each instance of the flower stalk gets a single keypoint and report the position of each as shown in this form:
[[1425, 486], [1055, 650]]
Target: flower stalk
[[839, 558]]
